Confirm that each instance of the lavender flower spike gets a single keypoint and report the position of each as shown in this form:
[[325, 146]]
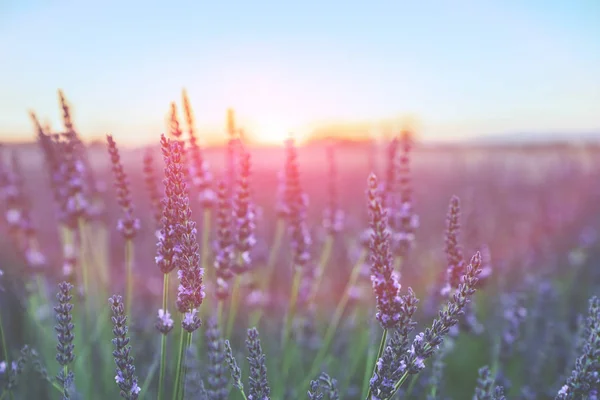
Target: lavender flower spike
[[125, 377], [244, 214], [385, 284], [585, 378], [128, 225], [259, 384], [64, 318], [182, 232]]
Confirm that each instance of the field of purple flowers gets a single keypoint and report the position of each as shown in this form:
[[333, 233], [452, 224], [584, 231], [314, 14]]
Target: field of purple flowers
[[327, 271]]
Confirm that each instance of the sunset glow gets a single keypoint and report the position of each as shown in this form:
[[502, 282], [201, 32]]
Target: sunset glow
[[464, 69]]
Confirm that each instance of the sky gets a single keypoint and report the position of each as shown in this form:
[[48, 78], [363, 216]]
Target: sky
[[462, 68]]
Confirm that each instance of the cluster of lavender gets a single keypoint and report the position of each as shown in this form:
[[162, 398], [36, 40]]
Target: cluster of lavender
[[178, 246], [400, 358], [584, 381], [324, 386], [485, 389]]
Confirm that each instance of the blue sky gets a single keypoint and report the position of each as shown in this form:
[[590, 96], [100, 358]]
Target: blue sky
[[463, 67]]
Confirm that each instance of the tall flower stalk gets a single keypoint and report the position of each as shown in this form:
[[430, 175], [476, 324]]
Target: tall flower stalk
[[185, 250], [128, 225], [333, 220], [200, 176], [385, 285], [225, 256], [244, 227], [296, 202]]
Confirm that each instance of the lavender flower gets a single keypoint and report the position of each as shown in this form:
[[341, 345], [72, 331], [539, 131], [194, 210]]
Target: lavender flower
[[333, 216], [236, 372], [485, 385], [244, 216], [296, 202], [152, 187], [225, 257], [428, 341], [128, 225], [258, 384], [199, 171], [391, 364], [73, 170], [64, 328], [385, 284], [585, 378], [454, 254], [405, 221], [217, 382], [164, 322], [390, 191], [125, 378], [178, 246]]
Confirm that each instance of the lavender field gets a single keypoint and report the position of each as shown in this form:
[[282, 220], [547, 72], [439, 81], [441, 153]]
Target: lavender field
[[390, 270]]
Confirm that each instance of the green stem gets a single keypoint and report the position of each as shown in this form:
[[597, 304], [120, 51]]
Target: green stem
[[325, 254], [3, 341], [279, 231], [163, 340], [289, 320], [188, 342], [180, 360], [379, 353], [205, 236], [82, 260], [235, 294], [335, 320], [129, 255], [219, 313], [368, 368]]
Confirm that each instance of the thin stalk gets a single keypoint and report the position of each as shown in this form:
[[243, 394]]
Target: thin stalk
[[3, 341], [180, 360], [379, 353], [205, 236], [129, 256], [84, 266], [368, 367], [234, 304], [148, 379], [411, 385], [279, 231], [337, 316], [219, 312], [290, 319], [324, 259], [354, 363], [163, 340], [188, 342]]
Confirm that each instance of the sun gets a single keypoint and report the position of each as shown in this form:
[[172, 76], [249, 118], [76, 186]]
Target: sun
[[271, 131]]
